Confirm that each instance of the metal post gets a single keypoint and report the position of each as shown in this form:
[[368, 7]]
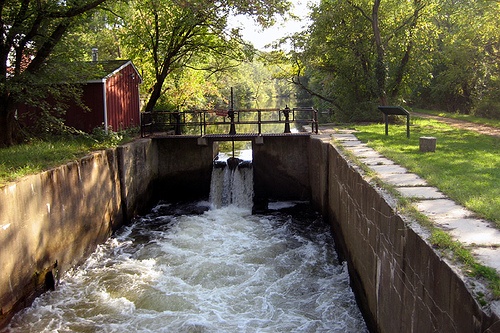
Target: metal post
[[260, 121], [286, 112], [232, 130], [386, 118], [177, 117], [204, 122], [408, 126]]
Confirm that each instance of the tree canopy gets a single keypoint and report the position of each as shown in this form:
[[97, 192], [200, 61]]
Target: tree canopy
[[356, 54], [30, 33], [164, 37], [429, 53]]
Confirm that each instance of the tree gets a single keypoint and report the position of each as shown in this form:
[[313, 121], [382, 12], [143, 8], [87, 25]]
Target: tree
[[164, 36], [358, 53], [30, 31], [465, 68]]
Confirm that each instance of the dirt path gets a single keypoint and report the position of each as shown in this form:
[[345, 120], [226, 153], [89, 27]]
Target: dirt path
[[483, 129]]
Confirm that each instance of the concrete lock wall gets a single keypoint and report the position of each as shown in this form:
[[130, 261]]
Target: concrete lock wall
[[138, 169], [61, 215], [184, 168], [281, 169], [403, 285], [52, 221]]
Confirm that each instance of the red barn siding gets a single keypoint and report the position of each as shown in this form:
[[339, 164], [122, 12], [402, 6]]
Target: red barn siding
[[120, 101], [122, 97], [94, 117]]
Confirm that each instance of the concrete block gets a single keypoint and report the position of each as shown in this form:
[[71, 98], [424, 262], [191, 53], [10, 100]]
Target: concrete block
[[202, 141], [427, 144]]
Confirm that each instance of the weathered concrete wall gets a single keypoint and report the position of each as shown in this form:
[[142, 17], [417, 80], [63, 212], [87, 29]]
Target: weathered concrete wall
[[281, 168], [52, 221], [318, 172], [58, 216], [138, 166], [402, 283], [184, 168]]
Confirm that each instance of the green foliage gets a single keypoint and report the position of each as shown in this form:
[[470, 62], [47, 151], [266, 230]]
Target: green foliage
[[30, 47], [465, 69], [170, 39], [346, 69], [433, 54], [465, 165], [39, 155]]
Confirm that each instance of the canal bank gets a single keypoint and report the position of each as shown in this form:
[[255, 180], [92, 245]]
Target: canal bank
[[403, 284], [52, 221]]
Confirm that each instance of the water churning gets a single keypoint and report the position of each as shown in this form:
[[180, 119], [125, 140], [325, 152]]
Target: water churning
[[206, 268]]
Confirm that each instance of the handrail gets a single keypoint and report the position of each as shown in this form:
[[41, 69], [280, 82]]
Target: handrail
[[199, 121]]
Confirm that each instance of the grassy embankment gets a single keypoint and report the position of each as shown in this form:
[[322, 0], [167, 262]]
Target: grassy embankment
[[465, 166], [39, 155]]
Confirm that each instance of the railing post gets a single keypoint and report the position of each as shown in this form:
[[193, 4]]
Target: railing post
[[232, 130], [204, 122], [286, 113], [142, 124], [316, 120], [177, 117], [259, 116]]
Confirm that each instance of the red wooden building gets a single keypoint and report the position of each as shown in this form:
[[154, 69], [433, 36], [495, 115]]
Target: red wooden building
[[113, 99], [111, 94]]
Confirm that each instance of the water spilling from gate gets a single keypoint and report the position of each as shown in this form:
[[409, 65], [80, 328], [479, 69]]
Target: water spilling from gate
[[206, 267]]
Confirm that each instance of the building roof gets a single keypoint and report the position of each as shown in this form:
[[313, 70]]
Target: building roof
[[100, 71]]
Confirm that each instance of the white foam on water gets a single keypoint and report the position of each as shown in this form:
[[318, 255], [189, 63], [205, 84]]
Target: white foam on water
[[232, 187], [222, 271]]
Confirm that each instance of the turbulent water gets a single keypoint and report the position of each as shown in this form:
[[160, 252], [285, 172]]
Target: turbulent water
[[186, 269], [207, 267]]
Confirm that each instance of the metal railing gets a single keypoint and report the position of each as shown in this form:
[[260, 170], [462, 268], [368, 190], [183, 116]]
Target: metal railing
[[232, 122]]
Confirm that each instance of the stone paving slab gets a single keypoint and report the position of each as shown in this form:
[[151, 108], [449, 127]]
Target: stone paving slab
[[420, 192], [406, 179], [324, 137], [376, 161], [442, 209], [344, 137], [353, 143], [388, 169], [489, 256], [472, 231], [359, 149], [365, 153]]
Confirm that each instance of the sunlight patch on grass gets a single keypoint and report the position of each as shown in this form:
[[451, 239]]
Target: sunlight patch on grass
[[465, 166]]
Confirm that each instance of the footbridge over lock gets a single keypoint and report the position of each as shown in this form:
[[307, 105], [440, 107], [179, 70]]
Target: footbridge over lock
[[228, 125], [279, 142]]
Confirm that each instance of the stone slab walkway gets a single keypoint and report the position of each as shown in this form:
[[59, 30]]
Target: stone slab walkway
[[477, 234]]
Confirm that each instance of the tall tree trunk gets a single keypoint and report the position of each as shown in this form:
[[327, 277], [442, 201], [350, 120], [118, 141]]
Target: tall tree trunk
[[403, 64], [155, 95], [380, 67], [7, 122]]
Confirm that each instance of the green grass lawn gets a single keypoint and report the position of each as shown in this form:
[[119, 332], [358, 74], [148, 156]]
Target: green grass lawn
[[465, 166], [40, 155]]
